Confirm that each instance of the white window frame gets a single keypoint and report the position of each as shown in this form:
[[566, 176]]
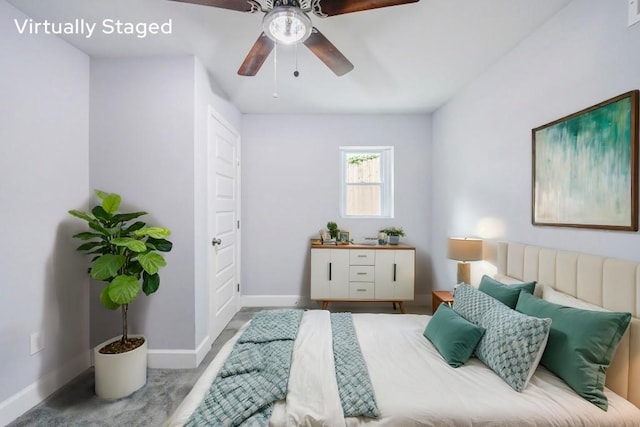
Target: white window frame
[[386, 176]]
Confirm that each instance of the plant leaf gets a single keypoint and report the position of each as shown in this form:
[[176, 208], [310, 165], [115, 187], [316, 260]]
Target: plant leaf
[[94, 225], [106, 266], [86, 235], [112, 231], [100, 194], [89, 245], [106, 301], [134, 268], [161, 245], [135, 226], [150, 283], [100, 213], [100, 250], [111, 203], [155, 232], [82, 215], [127, 216], [151, 262], [123, 289], [130, 243]]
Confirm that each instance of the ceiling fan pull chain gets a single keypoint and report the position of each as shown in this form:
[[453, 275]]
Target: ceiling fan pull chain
[[275, 70], [296, 73]]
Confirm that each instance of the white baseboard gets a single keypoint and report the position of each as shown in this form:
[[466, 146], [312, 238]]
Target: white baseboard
[[305, 301], [33, 394], [275, 301], [179, 359]]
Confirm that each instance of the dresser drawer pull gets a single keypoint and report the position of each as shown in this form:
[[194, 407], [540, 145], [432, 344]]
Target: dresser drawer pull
[[394, 272], [361, 290], [329, 271], [362, 256], [361, 273]]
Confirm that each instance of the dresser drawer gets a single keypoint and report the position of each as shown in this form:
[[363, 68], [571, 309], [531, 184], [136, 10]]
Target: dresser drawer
[[361, 290], [362, 257], [361, 273]]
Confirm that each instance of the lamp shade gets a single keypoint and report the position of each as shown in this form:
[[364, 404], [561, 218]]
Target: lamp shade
[[464, 249]]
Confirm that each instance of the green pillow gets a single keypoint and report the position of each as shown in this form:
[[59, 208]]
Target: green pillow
[[506, 294], [454, 337], [581, 344]]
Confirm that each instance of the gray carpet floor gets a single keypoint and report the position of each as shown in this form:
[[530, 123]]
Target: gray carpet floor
[[77, 405]]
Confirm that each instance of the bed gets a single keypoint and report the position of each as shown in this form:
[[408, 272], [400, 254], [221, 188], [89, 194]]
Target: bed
[[414, 385]]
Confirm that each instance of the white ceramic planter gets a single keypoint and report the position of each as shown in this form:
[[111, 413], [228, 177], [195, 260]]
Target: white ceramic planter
[[394, 240], [119, 375]]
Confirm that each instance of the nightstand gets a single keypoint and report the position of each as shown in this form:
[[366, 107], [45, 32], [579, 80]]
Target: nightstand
[[439, 297]]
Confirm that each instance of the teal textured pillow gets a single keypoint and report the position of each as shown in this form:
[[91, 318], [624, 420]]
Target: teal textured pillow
[[581, 344], [506, 294], [512, 344], [454, 337], [472, 304]]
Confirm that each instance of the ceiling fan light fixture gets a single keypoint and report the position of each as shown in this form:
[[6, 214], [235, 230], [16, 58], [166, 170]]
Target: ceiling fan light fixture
[[287, 25]]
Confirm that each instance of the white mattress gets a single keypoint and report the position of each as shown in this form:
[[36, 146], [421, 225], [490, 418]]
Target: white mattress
[[414, 385]]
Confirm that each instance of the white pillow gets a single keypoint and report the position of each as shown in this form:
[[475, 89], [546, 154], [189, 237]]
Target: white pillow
[[551, 295]]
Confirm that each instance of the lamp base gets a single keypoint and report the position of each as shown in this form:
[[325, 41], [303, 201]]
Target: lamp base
[[464, 272]]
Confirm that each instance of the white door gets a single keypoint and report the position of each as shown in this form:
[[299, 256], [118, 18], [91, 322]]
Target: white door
[[223, 214]]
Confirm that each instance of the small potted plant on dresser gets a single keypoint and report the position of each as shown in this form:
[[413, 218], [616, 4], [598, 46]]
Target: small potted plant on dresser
[[333, 229], [125, 255], [393, 234]]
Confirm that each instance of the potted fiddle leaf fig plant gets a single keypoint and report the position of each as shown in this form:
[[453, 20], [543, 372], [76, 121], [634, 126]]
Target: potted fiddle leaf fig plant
[[394, 234], [126, 255]]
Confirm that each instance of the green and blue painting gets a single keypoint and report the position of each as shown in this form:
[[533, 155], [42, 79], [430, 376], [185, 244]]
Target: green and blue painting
[[583, 168]]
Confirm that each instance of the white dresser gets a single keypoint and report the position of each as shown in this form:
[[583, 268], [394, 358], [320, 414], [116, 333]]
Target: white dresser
[[362, 273]]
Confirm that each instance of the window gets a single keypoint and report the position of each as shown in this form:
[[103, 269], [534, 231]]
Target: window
[[366, 180]]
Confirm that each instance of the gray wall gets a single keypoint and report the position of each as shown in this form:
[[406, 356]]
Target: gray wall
[[482, 138], [290, 189], [44, 128], [148, 143], [142, 148]]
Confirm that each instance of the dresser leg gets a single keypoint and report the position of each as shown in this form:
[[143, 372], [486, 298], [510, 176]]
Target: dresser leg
[[325, 304], [394, 305], [401, 304]]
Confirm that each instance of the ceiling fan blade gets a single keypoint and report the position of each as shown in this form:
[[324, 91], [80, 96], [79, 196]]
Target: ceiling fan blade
[[339, 7], [256, 56], [239, 5], [328, 53]]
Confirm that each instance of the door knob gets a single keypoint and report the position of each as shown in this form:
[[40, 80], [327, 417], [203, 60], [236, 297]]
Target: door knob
[[216, 241]]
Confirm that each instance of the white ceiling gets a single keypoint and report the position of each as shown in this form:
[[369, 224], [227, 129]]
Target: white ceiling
[[408, 59]]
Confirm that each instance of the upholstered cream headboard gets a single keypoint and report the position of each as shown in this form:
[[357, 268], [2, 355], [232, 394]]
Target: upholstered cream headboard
[[610, 283]]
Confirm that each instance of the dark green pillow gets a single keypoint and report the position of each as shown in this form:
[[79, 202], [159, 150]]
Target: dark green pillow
[[453, 336], [506, 294], [581, 344]]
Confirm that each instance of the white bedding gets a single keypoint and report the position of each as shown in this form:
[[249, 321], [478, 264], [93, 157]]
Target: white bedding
[[414, 385]]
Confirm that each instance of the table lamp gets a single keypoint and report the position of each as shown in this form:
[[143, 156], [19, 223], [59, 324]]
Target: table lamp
[[464, 249]]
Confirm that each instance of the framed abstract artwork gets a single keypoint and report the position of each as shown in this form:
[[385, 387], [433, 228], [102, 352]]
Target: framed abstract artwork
[[585, 167]]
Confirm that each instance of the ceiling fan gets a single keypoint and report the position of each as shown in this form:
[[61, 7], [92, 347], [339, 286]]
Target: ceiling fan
[[287, 22]]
